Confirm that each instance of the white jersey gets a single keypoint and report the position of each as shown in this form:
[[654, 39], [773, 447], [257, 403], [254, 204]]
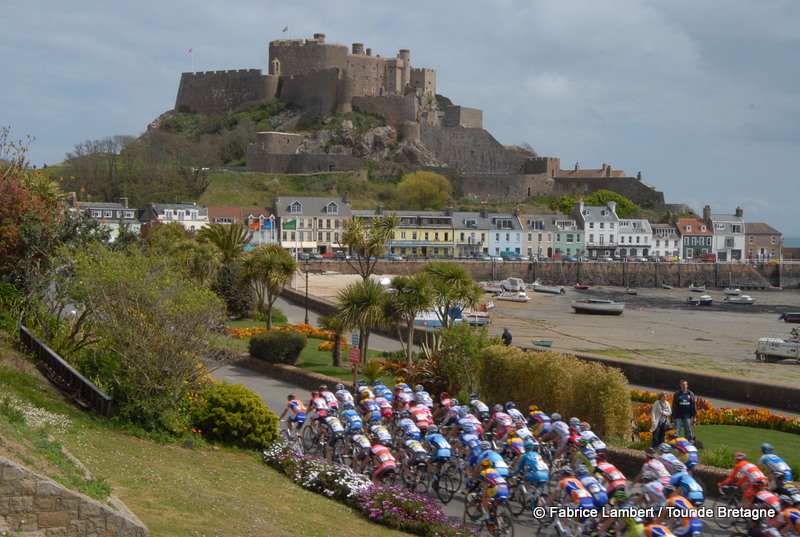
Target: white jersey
[[516, 415], [345, 396], [561, 429], [594, 440], [658, 467]]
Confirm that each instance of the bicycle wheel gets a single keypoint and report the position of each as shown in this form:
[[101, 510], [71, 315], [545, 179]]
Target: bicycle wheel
[[472, 507], [445, 488], [423, 479], [336, 453], [453, 469], [722, 506], [503, 525], [517, 499], [308, 436]]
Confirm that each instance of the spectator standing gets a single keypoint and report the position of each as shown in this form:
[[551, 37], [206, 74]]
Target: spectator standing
[[659, 418], [506, 337], [684, 410]]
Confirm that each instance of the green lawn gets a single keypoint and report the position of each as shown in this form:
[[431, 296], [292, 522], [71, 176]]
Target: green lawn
[[722, 441]]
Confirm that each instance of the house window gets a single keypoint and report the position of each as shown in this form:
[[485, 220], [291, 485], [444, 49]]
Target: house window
[[332, 208], [658, 243], [436, 236], [611, 239], [688, 229], [127, 214], [426, 236], [96, 214], [570, 237], [774, 241], [327, 236], [446, 236], [108, 214], [413, 235], [702, 228], [751, 239], [611, 225], [602, 225], [591, 225], [403, 235], [295, 208], [720, 226], [508, 237], [591, 238], [558, 237], [540, 237]]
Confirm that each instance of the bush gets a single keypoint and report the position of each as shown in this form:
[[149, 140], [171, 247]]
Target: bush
[[277, 347], [558, 383], [235, 415]]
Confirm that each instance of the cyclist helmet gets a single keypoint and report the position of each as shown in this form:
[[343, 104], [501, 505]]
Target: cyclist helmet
[[581, 469], [566, 470], [444, 395], [512, 433], [620, 495], [402, 414], [486, 463], [668, 490], [323, 387], [378, 382], [670, 432], [585, 426], [315, 394], [665, 448], [778, 475], [362, 382], [649, 475], [650, 452], [739, 456], [473, 396], [463, 411], [290, 396], [339, 386], [679, 467], [574, 422], [601, 456], [454, 402], [767, 448], [530, 446], [555, 416], [510, 405], [582, 442], [497, 408], [786, 501], [433, 429], [533, 408], [349, 405], [419, 388], [486, 446], [760, 484]]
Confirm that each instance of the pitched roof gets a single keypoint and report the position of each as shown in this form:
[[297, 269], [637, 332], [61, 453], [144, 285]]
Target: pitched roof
[[760, 228], [696, 226]]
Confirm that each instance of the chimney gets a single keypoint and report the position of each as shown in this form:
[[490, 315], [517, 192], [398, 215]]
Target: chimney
[[739, 212], [516, 210], [639, 176], [369, 52], [578, 206], [124, 202], [707, 213], [613, 206], [346, 197], [608, 171], [358, 48], [577, 167], [484, 212]]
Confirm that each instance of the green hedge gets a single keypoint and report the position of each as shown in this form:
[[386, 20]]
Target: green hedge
[[559, 383], [235, 415], [277, 347]]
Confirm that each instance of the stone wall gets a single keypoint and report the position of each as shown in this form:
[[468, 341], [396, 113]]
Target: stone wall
[[278, 143], [630, 187], [318, 90], [36, 505], [461, 116], [503, 188], [259, 161], [220, 92], [470, 151], [395, 109]]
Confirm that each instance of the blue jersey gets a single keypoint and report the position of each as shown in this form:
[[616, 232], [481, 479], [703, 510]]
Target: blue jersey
[[352, 421], [498, 462], [773, 463], [440, 446], [690, 488], [383, 391], [598, 492]]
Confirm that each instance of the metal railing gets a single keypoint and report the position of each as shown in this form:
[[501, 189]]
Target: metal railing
[[77, 387]]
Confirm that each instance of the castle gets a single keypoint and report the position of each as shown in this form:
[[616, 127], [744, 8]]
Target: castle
[[324, 78]]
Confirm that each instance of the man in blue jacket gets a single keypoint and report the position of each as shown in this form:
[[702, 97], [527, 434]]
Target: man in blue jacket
[[684, 410]]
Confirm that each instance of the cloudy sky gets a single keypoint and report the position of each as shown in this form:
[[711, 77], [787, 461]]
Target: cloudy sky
[[702, 97]]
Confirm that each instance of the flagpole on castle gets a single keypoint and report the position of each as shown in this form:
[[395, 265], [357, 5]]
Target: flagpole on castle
[[191, 53]]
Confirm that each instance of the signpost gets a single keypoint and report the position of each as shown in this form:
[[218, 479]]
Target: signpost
[[354, 357]]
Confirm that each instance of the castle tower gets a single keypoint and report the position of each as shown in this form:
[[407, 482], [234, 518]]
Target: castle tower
[[275, 67], [405, 77]]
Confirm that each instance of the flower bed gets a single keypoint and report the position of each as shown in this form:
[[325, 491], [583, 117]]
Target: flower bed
[[390, 506], [305, 329], [760, 418]]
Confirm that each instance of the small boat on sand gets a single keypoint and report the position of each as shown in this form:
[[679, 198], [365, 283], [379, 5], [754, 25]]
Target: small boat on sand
[[666, 286], [552, 289], [596, 306], [542, 342], [704, 300], [513, 296], [732, 291], [697, 288], [580, 287], [742, 299]]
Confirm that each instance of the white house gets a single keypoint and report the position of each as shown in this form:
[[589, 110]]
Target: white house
[[729, 235], [600, 225]]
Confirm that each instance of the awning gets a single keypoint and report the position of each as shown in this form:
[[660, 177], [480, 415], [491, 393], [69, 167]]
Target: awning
[[415, 244]]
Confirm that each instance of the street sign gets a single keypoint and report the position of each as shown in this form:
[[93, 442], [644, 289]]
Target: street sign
[[354, 339], [354, 355]]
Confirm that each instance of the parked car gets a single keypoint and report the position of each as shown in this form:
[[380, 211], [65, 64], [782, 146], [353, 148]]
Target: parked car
[[482, 257], [394, 257], [523, 258], [605, 258], [340, 256], [582, 259], [496, 258], [641, 259], [570, 258], [315, 256], [303, 256]]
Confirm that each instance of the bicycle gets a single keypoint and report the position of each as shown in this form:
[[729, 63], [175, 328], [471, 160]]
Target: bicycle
[[730, 497], [449, 479], [522, 496], [289, 435], [499, 524], [416, 477]]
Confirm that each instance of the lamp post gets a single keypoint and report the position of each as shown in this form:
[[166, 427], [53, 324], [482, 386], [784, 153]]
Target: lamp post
[[305, 264]]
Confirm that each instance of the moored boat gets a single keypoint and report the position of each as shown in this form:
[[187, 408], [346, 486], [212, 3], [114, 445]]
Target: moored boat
[[697, 288], [580, 287], [741, 299], [704, 300], [542, 342], [790, 316], [552, 289], [630, 291], [518, 296], [776, 349], [732, 291], [597, 306], [666, 286]]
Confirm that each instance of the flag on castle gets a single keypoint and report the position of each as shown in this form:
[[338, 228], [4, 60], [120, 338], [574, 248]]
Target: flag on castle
[[285, 29], [191, 51]]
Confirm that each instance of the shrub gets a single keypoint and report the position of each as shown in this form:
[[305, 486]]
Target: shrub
[[557, 383], [235, 415], [277, 347]]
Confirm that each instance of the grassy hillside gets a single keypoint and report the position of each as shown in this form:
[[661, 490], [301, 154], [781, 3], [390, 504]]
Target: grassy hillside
[[173, 490]]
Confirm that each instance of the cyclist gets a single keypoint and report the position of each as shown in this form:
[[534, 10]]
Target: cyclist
[[317, 411], [609, 475], [652, 488], [385, 463], [335, 431], [385, 406], [516, 416], [654, 465], [463, 423], [498, 462], [583, 453], [749, 476], [570, 490], [688, 486], [359, 446], [686, 451], [421, 416], [513, 447], [364, 391], [406, 426], [479, 407], [788, 520], [623, 518], [559, 433], [440, 451], [764, 499], [539, 422], [502, 421], [493, 484], [370, 411], [594, 440], [298, 410], [590, 483], [786, 489], [411, 453], [687, 523], [380, 431], [422, 397], [525, 434], [444, 406], [351, 419], [449, 415], [531, 465], [330, 397], [656, 530], [668, 459], [402, 398], [770, 464], [380, 390], [343, 395]]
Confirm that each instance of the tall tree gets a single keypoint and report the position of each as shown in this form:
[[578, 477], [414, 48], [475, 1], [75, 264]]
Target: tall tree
[[230, 239], [424, 190], [409, 295], [452, 287], [366, 240], [361, 305], [268, 268], [337, 326]]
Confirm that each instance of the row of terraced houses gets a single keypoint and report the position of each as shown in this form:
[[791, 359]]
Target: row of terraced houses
[[315, 224]]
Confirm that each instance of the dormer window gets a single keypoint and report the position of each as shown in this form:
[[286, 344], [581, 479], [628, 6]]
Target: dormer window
[[471, 223], [296, 208], [702, 228], [688, 229], [96, 213], [603, 212], [587, 212], [332, 208]]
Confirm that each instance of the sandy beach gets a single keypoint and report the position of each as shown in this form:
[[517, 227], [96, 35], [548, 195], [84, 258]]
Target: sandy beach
[[656, 327]]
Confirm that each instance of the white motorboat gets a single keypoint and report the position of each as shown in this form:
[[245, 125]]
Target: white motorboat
[[596, 306]]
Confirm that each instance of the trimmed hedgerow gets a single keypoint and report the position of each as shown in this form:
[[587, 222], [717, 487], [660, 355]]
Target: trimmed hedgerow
[[235, 415], [277, 347]]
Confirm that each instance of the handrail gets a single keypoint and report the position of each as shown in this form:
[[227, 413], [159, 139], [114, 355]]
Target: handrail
[[63, 375]]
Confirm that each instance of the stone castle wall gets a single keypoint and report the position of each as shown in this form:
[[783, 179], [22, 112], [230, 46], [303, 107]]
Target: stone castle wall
[[259, 161], [503, 188], [318, 90], [221, 92], [461, 116], [36, 505], [395, 109], [470, 151], [630, 187], [278, 143]]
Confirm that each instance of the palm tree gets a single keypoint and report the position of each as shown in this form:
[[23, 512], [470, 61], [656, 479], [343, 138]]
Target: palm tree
[[230, 239], [452, 287], [366, 239], [335, 324], [361, 305], [411, 294], [268, 268]]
